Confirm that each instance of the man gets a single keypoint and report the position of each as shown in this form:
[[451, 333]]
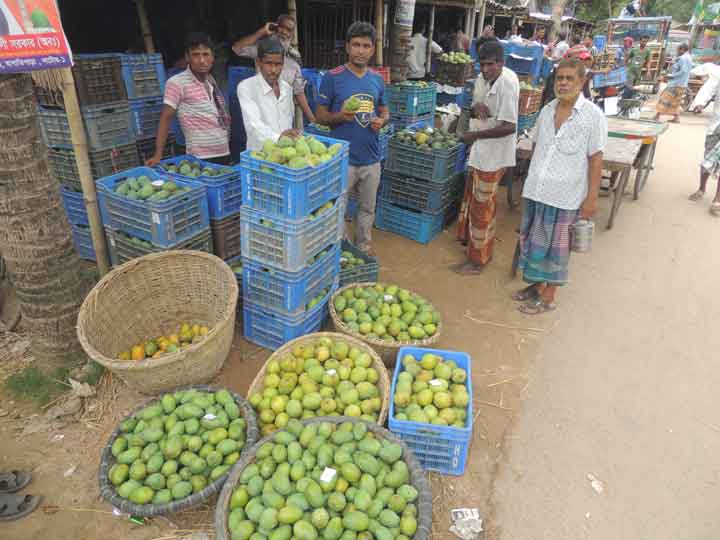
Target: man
[[461, 42], [576, 49], [671, 98], [491, 136], [633, 9], [635, 63], [589, 44], [623, 51], [360, 128], [284, 30], [561, 47], [417, 55], [193, 95], [711, 162], [266, 99], [562, 185]]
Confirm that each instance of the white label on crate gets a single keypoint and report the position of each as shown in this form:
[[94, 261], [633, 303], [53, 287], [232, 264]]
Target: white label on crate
[[158, 183], [388, 297], [156, 218], [112, 241], [331, 372], [435, 382], [209, 416], [415, 101], [328, 474], [343, 259]]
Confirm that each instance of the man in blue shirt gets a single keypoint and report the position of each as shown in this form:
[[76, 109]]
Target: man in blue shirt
[[352, 103]]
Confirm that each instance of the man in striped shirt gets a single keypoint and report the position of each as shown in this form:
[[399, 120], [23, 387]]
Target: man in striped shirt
[[199, 104]]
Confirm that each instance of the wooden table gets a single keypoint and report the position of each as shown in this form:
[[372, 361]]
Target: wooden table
[[618, 159], [646, 131]]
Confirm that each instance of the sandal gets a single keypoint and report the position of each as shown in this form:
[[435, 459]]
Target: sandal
[[528, 293], [696, 196], [17, 506], [14, 481], [536, 307], [715, 208]]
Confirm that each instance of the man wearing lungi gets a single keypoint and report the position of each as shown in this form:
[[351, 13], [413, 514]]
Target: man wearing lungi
[[671, 98], [562, 185], [491, 136]]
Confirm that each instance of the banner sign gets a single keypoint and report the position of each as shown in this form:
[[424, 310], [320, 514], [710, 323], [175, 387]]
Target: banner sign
[[31, 36], [405, 12]]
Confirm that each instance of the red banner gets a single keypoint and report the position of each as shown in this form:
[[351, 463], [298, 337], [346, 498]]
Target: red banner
[[31, 36]]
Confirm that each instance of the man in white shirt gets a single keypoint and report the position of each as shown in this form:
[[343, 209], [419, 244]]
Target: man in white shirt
[[711, 161], [492, 141], [266, 100], [562, 185], [417, 55]]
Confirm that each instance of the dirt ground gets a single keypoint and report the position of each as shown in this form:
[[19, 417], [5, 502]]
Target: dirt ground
[[611, 379]]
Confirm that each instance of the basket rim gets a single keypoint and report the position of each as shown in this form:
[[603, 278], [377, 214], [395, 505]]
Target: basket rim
[[391, 345], [114, 364], [107, 460], [420, 481], [377, 363]]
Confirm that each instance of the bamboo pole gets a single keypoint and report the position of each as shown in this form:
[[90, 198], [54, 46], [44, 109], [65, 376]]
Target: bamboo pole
[[292, 11], [467, 21], [80, 147], [481, 26], [428, 50], [379, 8], [145, 27]]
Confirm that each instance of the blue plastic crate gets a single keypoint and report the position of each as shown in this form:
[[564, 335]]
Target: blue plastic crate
[[272, 330], [461, 160], [83, 242], [467, 94], [313, 78], [144, 74], [224, 192], [363, 273], [411, 98], [289, 244], [446, 99], [401, 121], [288, 293], [438, 448], [416, 194], [524, 59], [526, 121], [293, 193], [614, 77], [436, 166], [145, 116], [164, 223], [419, 226], [600, 41], [316, 129], [106, 126], [384, 137], [74, 206]]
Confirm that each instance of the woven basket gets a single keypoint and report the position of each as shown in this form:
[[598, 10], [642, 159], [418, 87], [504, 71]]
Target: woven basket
[[151, 296], [417, 479], [108, 492], [388, 351], [383, 380]]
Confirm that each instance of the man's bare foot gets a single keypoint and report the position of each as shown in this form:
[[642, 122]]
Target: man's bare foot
[[699, 194], [715, 208]]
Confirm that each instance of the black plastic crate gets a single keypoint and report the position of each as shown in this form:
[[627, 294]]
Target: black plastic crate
[[416, 193], [146, 148], [102, 163], [99, 79], [123, 247], [226, 236]]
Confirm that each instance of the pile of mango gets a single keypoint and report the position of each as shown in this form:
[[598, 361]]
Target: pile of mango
[[456, 58], [428, 139], [388, 313], [325, 481], [156, 347], [142, 188], [348, 260], [176, 446], [431, 390], [193, 169], [305, 151], [318, 378]]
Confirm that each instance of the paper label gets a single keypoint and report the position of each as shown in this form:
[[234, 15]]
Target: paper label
[[327, 475], [435, 382], [209, 416], [156, 218], [388, 297], [112, 241], [331, 372], [343, 259], [158, 183], [415, 100]]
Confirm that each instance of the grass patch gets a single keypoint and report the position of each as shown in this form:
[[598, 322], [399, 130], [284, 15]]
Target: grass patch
[[33, 385]]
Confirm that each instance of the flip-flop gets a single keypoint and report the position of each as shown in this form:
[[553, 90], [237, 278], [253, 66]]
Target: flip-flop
[[715, 209], [17, 506], [694, 197], [528, 293], [536, 307], [14, 481]]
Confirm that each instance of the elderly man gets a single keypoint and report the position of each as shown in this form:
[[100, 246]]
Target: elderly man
[[491, 136], [562, 185], [711, 162], [671, 98], [283, 30], [266, 100]]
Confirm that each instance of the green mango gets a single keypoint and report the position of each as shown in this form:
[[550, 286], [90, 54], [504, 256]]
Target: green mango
[[142, 495], [129, 456], [181, 490], [164, 496], [118, 474]]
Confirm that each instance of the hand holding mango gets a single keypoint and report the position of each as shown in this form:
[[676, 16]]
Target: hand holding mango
[[351, 105]]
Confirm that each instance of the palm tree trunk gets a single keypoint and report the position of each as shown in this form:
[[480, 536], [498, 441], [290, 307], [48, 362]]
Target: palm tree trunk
[[35, 238]]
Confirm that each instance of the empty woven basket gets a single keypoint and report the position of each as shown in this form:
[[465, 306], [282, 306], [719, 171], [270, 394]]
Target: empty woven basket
[[152, 296]]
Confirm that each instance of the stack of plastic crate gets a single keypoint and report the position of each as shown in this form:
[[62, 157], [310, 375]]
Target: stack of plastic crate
[[136, 226], [420, 191], [411, 102], [291, 226]]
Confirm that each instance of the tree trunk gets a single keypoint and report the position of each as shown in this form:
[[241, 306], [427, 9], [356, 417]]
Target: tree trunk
[[400, 39], [558, 10], [35, 238]]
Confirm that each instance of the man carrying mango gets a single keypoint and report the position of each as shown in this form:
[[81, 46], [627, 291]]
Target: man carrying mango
[[352, 103]]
